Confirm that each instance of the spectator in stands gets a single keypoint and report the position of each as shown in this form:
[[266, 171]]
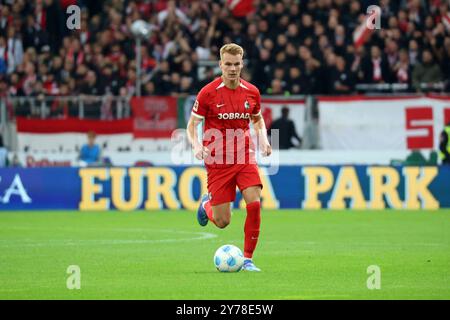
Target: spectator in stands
[[5, 18], [208, 76], [55, 23], [161, 78], [294, 80], [90, 153], [172, 12], [15, 88], [276, 87], [3, 154], [444, 145], [356, 60], [414, 52], [189, 33], [175, 81], [402, 69], [311, 77], [186, 86], [426, 73], [188, 71], [391, 52], [62, 107], [32, 34], [286, 130], [15, 48], [262, 69], [149, 89], [91, 89], [339, 40], [39, 94], [279, 74], [376, 68], [342, 79]]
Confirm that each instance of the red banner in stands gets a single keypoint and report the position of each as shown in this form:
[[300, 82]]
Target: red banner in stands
[[154, 117], [25, 125]]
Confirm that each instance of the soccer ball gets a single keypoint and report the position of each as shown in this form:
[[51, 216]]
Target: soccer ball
[[228, 258]]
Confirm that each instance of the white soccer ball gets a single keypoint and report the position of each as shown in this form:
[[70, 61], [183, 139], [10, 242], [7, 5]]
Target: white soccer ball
[[228, 258]]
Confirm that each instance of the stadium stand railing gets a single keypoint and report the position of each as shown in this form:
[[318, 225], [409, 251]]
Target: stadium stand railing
[[83, 106], [398, 88]]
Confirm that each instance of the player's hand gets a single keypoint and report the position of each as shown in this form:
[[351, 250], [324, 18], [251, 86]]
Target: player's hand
[[266, 149], [200, 152]]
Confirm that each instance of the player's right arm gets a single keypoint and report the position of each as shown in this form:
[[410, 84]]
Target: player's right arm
[[199, 111], [200, 152]]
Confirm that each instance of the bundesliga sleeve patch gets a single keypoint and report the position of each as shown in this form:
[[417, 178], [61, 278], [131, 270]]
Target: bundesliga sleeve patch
[[195, 107]]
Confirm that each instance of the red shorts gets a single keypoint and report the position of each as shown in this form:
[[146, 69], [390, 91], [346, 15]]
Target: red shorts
[[222, 182]]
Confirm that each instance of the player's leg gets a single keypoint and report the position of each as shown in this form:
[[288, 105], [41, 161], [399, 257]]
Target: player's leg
[[219, 214], [252, 225], [222, 214], [250, 185], [216, 207]]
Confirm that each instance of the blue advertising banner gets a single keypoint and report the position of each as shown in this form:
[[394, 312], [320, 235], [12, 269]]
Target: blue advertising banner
[[152, 188]]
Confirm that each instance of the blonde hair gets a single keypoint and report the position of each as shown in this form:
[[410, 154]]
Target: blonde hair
[[231, 48]]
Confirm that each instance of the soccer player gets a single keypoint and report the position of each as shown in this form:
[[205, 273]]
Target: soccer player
[[225, 106]]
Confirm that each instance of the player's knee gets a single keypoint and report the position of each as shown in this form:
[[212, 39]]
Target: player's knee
[[222, 222], [252, 194]]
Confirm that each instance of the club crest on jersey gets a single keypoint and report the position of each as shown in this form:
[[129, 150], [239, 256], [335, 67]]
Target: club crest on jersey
[[233, 116], [246, 105]]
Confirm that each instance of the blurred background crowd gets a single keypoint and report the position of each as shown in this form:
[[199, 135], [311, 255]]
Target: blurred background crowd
[[292, 46]]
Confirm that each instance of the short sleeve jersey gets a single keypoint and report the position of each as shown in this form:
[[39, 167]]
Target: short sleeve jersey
[[228, 111]]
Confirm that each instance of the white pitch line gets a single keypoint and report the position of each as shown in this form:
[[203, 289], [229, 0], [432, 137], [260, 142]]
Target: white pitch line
[[72, 242]]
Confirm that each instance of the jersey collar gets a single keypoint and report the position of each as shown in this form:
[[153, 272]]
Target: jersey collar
[[222, 84]]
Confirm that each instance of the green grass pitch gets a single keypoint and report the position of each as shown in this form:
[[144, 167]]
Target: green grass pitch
[[167, 255]]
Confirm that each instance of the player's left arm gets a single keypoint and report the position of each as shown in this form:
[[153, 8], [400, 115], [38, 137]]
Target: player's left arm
[[260, 128]]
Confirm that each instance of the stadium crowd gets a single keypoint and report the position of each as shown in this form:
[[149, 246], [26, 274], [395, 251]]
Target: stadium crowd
[[292, 46]]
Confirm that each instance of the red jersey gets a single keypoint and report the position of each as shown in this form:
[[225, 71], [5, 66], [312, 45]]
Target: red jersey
[[229, 111]]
